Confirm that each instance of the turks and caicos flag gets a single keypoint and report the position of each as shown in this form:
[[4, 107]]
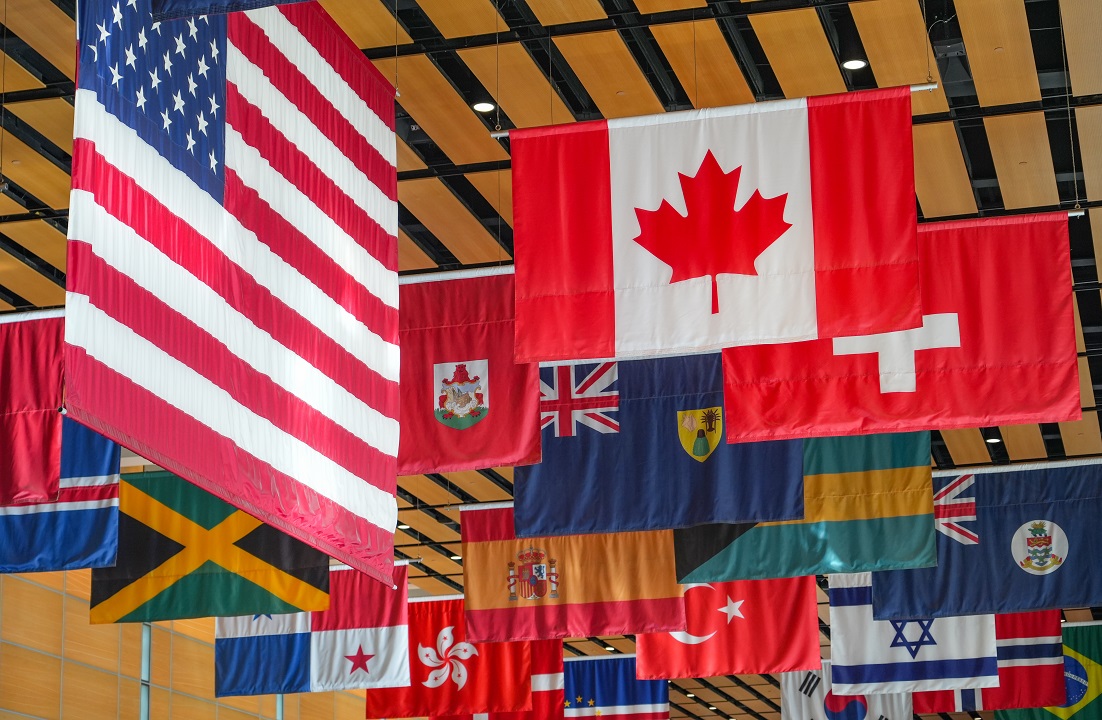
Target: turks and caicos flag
[[711, 228]]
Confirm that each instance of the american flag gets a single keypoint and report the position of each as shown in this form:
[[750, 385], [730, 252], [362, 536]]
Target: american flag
[[952, 507], [565, 400], [232, 300]]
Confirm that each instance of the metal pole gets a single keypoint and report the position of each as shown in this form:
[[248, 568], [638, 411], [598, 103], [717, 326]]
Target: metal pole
[[147, 642], [279, 707]]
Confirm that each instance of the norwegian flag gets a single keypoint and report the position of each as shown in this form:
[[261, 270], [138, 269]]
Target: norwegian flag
[[566, 401], [952, 507]]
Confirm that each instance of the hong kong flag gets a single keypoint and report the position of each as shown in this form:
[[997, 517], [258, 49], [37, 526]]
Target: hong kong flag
[[996, 347], [774, 222], [451, 676], [547, 687], [734, 628]]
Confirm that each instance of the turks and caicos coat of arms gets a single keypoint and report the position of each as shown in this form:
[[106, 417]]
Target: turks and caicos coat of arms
[[700, 431], [463, 397], [533, 576], [1040, 547]]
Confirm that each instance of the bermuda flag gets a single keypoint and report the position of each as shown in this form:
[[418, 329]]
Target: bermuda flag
[[773, 222], [547, 687], [361, 641], [232, 287], [1031, 669], [606, 688]]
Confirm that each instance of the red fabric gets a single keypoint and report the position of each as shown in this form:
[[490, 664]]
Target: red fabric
[[862, 194], [778, 631], [495, 677], [358, 601], [1021, 686], [547, 686], [454, 321], [562, 202], [1007, 280], [30, 421]]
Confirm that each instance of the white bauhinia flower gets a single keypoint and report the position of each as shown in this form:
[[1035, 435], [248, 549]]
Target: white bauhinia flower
[[446, 658]]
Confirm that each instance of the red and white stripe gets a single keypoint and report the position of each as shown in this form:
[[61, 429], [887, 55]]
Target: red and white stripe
[[251, 347], [950, 509], [82, 493]]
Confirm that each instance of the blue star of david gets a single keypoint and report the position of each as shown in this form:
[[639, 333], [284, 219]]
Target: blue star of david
[[913, 646]]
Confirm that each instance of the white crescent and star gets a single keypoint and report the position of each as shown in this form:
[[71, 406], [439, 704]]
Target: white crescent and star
[[732, 609]]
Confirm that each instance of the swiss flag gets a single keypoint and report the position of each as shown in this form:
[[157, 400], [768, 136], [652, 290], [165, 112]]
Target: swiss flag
[[996, 346], [547, 687], [450, 676], [740, 627], [774, 222]]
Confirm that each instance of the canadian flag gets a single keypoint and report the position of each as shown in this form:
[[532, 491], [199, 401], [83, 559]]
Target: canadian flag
[[996, 346], [773, 222]]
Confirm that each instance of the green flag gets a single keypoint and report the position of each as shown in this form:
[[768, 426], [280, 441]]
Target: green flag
[[184, 553], [1082, 677], [868, 505]]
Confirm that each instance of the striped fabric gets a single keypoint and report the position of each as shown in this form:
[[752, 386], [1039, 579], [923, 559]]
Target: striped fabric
[[232, 304]]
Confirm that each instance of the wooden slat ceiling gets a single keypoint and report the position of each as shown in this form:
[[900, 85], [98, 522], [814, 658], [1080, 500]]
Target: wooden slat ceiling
[[993, 138]]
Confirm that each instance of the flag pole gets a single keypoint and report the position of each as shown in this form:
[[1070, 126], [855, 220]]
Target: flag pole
[[1018, 467]]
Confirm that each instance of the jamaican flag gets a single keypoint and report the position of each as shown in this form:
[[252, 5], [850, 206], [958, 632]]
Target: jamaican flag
[[1082, 678], [868, 505], [184, 553]]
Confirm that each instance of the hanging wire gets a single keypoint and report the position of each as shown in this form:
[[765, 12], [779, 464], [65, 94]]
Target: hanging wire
[[396, 92], [1071, 129], [4, 104], [497, 122], [926, 27], [696, 83]]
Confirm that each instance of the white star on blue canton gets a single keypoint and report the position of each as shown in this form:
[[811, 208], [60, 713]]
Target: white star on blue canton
[[190, 143], [104, 33], [214, 51], [141, 39], [132, 3], [157, 26], [179, 102], [191, 84], [202, 123], [203, 69], [141, 98], [166, 118], [131, 58], [180, 46], [115, 75], [116, 15], [213, 163], [214, 105], [154, 79], [168, 64], [192, 30]]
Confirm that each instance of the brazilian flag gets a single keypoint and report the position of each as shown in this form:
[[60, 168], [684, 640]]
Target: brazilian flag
[[1082, 678], [183, 553]]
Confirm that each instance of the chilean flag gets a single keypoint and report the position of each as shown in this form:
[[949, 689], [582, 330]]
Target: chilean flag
[[774, 222]]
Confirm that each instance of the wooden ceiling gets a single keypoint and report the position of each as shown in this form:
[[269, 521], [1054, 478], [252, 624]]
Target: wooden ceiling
[[1014, 125]]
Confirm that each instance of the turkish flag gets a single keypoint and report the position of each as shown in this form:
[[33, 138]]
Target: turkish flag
[[996, 347], [450, 676], [740, 627]]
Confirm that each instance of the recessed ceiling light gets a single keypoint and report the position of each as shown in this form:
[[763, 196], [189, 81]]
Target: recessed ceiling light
[[610, 648], [403, 527], [689, 695], [993, 441], [855, 64], [457, 557], [483, 107], [711, 707]]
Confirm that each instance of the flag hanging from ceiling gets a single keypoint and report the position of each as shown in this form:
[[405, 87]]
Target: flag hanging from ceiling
[[1082, 679], [808, 696], [747, 627], [30, 404], [465, 404], [449, 675], [79, 528], [606, 687], [547, 687], [890, 656], [638, 445], [361, 641], [565, 586], [1007, 542], [992, 320], [232, 286], [703, 229], [868, 505], [183, 553], [1031, 669]]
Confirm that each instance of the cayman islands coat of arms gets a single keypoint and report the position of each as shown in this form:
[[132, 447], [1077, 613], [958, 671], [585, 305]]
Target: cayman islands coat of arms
[[1040, 547], [533, 576], [700, 431], [463, 397]]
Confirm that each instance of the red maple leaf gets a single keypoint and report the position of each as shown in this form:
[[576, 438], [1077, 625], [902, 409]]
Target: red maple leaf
[[713, 237]]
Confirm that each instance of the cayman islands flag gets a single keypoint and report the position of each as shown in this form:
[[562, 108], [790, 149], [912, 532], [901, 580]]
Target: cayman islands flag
[[606, 687], [890, 656], [808, 695], [1082, 678]]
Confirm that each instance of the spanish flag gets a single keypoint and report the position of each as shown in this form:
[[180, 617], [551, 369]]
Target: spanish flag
[[565, 586]]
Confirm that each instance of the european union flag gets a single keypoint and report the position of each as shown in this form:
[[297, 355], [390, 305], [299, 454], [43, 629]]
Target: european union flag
[[1007, 542], [639, 445]]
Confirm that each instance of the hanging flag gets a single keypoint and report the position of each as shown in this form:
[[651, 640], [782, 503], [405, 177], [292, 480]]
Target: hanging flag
[[183, 553], [606, 687], [891, 656], [1007, 542], [169, 9], [30, 404], [704, 229], [232, 286], [361, 641], [465, 404], [1082, 679], [867, 504], [451, 676], [547, 684], [79, 528], [1031, 669], [565, 586], [745, 627], [953, 371], [639, 446], [808, 696]]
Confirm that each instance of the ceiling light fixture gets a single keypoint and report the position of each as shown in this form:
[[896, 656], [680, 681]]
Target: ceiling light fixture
[[711, 707], [689, 695], [403, 527], [457, 557], [610, 648], [483, 106], [993, 441], [854, 64]]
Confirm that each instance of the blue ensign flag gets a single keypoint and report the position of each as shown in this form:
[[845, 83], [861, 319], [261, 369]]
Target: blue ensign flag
[[639, 445], [78, 529], [1007, 542], [606, 687]]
